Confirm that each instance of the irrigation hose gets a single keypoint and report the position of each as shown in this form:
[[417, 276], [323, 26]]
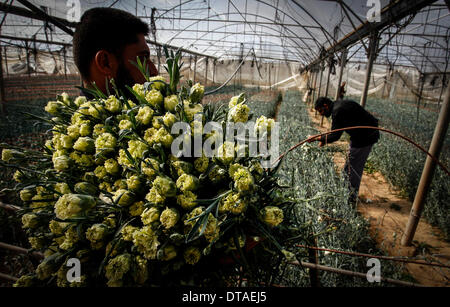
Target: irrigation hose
[[314, 137]]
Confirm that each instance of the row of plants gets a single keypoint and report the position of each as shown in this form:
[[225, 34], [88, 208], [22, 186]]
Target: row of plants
[[323, 212], [402, 164]]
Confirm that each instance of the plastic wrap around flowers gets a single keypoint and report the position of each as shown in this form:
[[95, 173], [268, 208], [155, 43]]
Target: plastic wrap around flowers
[[109, 192]]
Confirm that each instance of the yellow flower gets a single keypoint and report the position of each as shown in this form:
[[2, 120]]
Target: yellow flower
[[118, 267], [157, 85], [30, 220], [57, 228], [272, 216], [187, 183], [123, 158], [148, 167], [111, 166], [139, 89], [70, 238], [239, 113], [125, 124], [157, 122], [85, 129], [192, 255], [226, 152], [71, 205], [154, 98], [170, 102], [146, 242], [165, 186], [187, 200], [127, 232], [84, 144], [197, 92], [45, 269], [169, 119], [123, 197], [62, 188], [96, 234], [141, 274], [150, 215], [169, 217], [191, 109], [9, 154], [201, 164], [154, 197], [98, 130], [80, 100], [243, 180], [100, 172], [26, 194], [53, 107], [133, 183], [136, 148], [145, 115], [137, 208], [149, 135], [61, 163], [263, 124], [73, 131], [85, 188], [105, 141], [182, 167], [112, 104], [233, 203], [164, 137]]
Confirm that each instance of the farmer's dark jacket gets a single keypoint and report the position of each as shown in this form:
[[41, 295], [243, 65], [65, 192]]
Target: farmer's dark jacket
[[348, 113]]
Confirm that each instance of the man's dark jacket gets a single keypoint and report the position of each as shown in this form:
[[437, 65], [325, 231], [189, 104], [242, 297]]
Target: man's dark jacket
[[348, 113]]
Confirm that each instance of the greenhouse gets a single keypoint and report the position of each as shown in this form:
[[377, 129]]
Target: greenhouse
[[224, 143]]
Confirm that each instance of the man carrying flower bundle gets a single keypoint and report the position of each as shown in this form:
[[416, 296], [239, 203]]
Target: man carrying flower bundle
[[106, 43], [348, 113]]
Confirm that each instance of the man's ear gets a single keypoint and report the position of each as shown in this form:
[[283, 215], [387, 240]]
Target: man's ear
[[106, 63]]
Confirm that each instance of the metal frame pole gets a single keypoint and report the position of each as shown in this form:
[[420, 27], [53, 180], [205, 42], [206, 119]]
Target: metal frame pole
[[2, 87], [341, 72], [428, 171], [373, 46], [206, 71], [328, 77], [195, 67]]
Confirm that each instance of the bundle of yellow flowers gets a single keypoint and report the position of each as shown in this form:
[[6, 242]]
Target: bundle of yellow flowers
[[110, 191]]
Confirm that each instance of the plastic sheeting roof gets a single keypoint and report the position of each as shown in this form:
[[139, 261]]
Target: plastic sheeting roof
[[270, 30]]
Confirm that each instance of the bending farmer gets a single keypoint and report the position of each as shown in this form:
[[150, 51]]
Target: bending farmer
[[348, 113]]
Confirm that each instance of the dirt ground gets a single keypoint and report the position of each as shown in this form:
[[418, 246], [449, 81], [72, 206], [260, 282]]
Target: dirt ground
[[388, 214]]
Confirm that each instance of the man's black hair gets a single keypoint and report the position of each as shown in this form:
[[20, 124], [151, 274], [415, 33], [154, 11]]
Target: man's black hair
[[321, 101], [104, 29]]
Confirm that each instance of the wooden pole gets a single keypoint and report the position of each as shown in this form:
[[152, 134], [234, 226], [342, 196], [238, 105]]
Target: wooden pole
[[373, 46], [421, 84], [214, 71], [320, 80], [328, 77], [314, 93], [428, 171], [341, 73], [195, 67], [2, 87], [65, 63], [28, 59], [313, 272], [206, 72], [6, 60]]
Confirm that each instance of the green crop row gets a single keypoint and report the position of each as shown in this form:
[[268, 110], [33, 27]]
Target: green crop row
[[322, 211], [402, 163]]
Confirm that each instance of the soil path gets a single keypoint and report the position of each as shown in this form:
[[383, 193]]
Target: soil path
[[388, 214]]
